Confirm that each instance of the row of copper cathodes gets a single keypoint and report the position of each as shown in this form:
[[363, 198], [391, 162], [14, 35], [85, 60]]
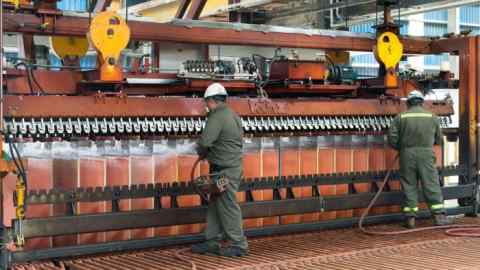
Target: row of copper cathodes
[[69, 165]]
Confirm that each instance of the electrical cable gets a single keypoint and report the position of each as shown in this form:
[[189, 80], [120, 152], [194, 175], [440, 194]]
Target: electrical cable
[[263, 81], [17, 160], [452, 230], [12, 155], [31, 78], [40, 89], [17, 153]]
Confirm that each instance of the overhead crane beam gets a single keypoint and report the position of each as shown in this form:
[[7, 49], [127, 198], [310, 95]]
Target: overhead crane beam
[[213, 33]]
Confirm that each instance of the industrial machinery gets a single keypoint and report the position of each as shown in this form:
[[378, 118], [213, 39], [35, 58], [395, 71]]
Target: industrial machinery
[[109, 151]]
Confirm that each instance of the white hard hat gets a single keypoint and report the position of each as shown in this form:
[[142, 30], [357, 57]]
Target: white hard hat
[[415, 94], [215, 89], [445, 66]]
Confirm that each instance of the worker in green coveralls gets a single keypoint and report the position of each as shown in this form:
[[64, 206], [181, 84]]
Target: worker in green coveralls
[[221, 144], [414, 133]]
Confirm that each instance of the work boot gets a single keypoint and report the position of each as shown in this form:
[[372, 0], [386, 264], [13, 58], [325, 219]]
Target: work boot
[[441, 220], [205, 247], [410, 223], [233, 251]]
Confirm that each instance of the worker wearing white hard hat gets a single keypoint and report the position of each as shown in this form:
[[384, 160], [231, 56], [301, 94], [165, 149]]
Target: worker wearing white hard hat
[[215, 89], [221, 144], [414, 133], [415, 95]]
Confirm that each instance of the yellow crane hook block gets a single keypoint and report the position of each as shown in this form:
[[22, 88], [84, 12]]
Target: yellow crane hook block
[[109, 34], [389, 51]]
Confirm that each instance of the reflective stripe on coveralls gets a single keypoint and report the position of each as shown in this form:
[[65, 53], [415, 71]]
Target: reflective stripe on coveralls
[[410, 209]]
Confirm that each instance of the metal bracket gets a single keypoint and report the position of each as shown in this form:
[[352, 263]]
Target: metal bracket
[[249, 196], [71, 209], [475, 200], [115, 206]]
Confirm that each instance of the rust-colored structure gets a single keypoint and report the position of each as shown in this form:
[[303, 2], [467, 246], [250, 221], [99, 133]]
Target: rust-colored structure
[[109, 162]]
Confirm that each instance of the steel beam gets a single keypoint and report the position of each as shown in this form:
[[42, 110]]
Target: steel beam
[[29, 47], [214, 33], [63, 225], [101, 5], [468, 109], [182, 9], [196, 9], [468, 50], [320, 7], [476, 203], [91, 106]]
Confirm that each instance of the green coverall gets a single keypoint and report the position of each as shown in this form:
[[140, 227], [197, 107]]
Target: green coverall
[[413, 133], [221, 141]]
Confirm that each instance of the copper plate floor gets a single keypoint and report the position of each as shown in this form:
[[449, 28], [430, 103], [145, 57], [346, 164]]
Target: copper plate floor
[[335, 249]]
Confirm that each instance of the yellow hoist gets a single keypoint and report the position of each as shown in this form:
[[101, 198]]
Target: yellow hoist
[[109, 34], [389, 52]]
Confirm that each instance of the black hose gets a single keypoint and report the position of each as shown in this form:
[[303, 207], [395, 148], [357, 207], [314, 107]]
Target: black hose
[[31, 78], [192, 179], [19, 157], [452, 230], [30, 85], [40, 89]]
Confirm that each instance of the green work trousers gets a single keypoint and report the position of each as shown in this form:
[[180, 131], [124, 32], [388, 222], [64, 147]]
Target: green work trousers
[[419, 163], [224, 216]]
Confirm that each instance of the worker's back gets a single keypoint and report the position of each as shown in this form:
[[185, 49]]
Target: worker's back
[[416, 127], [226, 151], [413, 133]]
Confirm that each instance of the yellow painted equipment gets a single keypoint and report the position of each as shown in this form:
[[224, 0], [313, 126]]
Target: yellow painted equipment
[[7, 166], [339, 57], [64, 46], [109, 34], [17, 3], [389, 51]]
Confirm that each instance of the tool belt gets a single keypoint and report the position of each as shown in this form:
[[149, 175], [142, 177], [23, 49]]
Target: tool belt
[[211, 185]]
